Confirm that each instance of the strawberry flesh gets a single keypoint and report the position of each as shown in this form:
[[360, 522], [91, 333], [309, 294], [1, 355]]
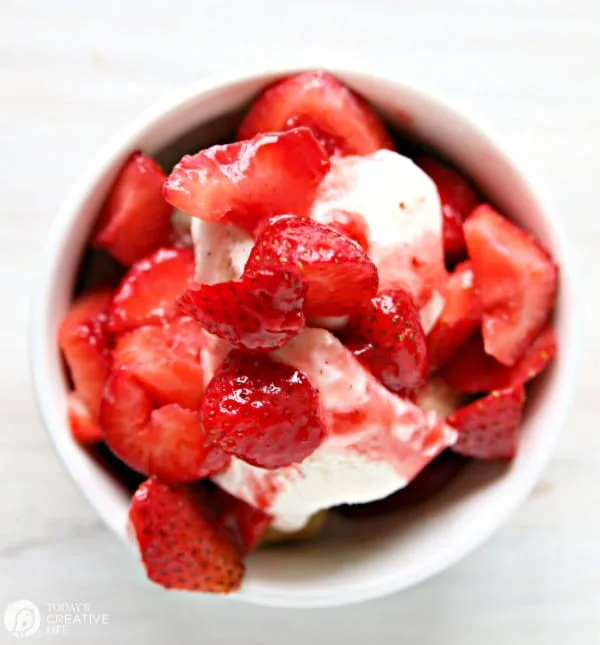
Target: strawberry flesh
[[488, 428], [349, 223], [181, 543], [84, 428], [248, 181], [259, 312], [459, 318], [473, 371], [517, 282], [338, 273], [135, 219], [262, 412], [391, 323], [167, 441], [457, 198], [148, 292], [340, 119]]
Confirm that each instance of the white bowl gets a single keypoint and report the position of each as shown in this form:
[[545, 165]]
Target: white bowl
[[356, 561]]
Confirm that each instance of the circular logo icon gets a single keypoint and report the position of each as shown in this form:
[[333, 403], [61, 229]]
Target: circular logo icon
[[22, 618]]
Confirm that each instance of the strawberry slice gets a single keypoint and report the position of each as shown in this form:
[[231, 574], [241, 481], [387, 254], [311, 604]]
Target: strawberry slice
[[248, 181], [488, 428], [263, 412], [246, 523], [472, 370], [84, 428], [457, 198], [391, 322], [259, 312], [180, 541], [460, 316], [88, 307], [166, 360], [148, 292], [338, 273], [135, 219], [167, 441], [350, 223], [517, 281], [341, 120]]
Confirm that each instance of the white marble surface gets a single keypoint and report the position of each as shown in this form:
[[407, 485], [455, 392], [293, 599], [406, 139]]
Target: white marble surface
[[72, 72]]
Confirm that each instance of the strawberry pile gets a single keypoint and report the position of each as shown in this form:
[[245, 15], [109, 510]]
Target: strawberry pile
[[177, 378]]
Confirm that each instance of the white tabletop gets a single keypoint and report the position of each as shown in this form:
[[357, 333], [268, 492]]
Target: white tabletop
[[72, 72]]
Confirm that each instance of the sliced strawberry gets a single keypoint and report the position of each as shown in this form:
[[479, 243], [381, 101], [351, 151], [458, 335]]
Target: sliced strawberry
[[517, 281], [135, 219], [167, 441], [84, 428], [148, 292], [181, 543], [338, 273], [460, 316], [472, 370], [259, 312], [433, 479], [246, 523], [488, 428], [263, 412], [166, 360], [88, 307], [391, 322], [340, 119], [85, 349], [458, 199], [248, 181], [351, 224]]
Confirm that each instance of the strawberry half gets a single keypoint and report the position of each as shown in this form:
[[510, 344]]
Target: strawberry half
[[148, 292], [249, 181], [457, 198], [167, 441], [341, 120], [135, 219], [181, 543], [84, 428], [488, 428], [460, 316], [263, 412], [472, 370], [259, 312], [166, 360], [338, 273], [517, 282], [391, 322]]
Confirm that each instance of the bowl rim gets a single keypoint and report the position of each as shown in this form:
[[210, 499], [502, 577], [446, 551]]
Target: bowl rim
[[252, 591]]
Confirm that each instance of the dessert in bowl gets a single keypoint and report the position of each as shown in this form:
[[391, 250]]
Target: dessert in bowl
[[333, 321]]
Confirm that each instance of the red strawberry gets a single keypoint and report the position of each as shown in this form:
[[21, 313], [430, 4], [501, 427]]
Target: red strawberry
[[488, 428], [517, 281], [263, 412], [84, 428], [390, 321], [166, 361], [167, 441], [148, 292], [338, 273], [88, 307], [340, 119], [433, 479], [472, 370], [458, 199], [135, 219], [246, 523], [181, 543], [248, 181], [260, 312], [349, 223], [460, 317]]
